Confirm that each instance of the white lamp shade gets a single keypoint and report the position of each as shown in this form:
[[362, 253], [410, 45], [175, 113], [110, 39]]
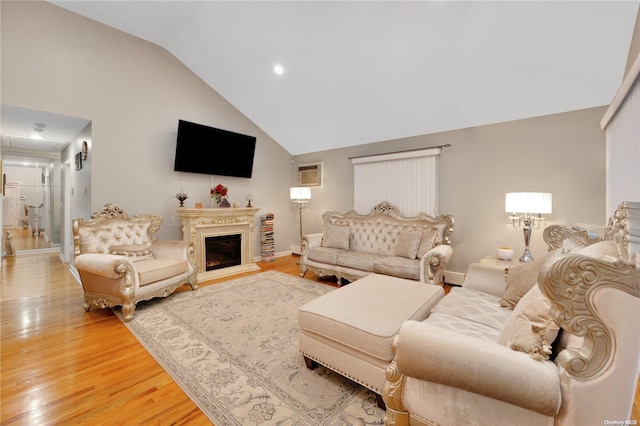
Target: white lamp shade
[[300, 193], [528, 202]]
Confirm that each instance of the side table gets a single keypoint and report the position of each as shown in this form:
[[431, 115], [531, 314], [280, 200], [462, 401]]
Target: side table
[[488, 270]]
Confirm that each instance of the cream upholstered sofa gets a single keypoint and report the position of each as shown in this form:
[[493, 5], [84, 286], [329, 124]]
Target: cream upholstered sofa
[[382, 242], [120, 262], [568, 353]]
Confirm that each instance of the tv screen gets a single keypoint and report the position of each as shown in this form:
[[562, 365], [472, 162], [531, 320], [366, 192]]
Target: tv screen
[[204, 149]]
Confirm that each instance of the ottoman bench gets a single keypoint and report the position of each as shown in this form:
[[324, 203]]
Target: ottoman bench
[[350, 330]]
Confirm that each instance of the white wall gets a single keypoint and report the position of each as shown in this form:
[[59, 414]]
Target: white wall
[[563, 154], [134, 93]]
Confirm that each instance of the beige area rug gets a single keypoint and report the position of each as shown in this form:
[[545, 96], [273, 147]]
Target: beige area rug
[[233, 348]]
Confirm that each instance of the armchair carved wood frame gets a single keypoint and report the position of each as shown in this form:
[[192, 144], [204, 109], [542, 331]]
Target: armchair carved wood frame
[[120, 261]]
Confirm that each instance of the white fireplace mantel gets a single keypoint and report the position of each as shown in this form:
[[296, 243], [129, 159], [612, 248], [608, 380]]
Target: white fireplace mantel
[[198, 224]]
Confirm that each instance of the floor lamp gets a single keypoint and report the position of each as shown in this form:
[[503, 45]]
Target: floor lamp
[[300, 197], [531, 206]]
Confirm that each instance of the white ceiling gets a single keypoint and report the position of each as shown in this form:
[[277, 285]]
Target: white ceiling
[[20, 125], [365, 71]]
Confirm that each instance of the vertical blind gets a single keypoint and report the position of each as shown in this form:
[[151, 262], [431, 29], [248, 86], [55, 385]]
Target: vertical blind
[[408, 180], [622, 132]]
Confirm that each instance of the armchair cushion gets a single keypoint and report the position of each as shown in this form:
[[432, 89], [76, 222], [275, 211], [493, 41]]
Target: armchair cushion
[[152, 270], [530, 327], [336, 236], [407, 244]]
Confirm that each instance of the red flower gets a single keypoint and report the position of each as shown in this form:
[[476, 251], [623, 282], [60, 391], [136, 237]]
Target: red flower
[[219, 191]]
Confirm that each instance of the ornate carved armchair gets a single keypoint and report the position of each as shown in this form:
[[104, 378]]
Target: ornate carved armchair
[[120, 262], [442, 376]]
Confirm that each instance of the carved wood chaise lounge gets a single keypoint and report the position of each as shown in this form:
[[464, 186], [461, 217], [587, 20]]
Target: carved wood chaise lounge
[[120, 262], [568, 353], [383, 242]]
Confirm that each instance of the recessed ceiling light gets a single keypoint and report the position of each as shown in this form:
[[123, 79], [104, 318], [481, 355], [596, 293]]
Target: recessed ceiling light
[[278, 69], [36, 136]]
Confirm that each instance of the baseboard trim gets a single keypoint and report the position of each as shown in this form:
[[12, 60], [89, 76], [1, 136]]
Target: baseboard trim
[[455, 278]]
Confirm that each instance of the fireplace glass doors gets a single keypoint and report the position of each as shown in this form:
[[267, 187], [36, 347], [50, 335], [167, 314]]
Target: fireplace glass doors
[[223, 251]]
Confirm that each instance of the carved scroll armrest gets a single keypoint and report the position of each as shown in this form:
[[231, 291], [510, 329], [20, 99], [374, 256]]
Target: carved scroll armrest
[[430, 353], [311, 240], [110, 266], [554, 235], [570, 283], [435, 259], [177, 249]]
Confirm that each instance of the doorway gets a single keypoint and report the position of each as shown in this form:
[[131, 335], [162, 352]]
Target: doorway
[[36, 149]]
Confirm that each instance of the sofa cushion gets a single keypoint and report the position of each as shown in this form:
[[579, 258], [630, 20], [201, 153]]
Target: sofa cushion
[[398, 267], [407, 244], [324, 255], [530, 328], [360, 316], [150, 271], [336, 236], [464, 326], [136, 252], [474, 306], [522, 277], [357, 260], [427, 242]]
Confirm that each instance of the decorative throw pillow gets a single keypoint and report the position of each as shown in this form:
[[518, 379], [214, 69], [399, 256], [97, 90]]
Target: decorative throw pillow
[[530, 327], [407, 244], [521, 278], [427, 242], [336, 236], [135, 251]]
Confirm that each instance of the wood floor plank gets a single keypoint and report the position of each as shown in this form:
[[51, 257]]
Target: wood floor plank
[[62, 365]]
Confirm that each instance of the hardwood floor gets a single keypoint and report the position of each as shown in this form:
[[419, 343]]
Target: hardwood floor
[[60, 365], [24, 239]]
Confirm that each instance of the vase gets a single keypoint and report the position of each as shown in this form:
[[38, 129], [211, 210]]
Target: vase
[[505, 253], [219, 201]]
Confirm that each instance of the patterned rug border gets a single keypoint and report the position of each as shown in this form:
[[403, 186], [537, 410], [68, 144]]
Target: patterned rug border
[[193, 388]]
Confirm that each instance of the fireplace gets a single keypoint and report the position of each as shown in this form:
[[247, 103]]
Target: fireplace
[[222, 251], [222, 240]]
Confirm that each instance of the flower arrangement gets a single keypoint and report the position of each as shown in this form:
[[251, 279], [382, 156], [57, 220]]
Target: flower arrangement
[[218, 193]]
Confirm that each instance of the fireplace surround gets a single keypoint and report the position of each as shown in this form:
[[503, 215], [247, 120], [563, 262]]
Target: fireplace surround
[[223, 240]]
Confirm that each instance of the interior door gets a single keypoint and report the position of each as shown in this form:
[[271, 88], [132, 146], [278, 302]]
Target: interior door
[[11, 206]]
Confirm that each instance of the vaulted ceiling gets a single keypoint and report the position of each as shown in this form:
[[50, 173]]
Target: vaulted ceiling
[[357, 72]]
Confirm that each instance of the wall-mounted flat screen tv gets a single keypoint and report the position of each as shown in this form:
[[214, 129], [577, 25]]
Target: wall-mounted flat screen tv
[[204, 149]]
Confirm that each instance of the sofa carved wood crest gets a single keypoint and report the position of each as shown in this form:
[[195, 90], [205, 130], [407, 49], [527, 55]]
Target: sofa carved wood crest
[[577, 363], [383, 242], [121, 262]]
